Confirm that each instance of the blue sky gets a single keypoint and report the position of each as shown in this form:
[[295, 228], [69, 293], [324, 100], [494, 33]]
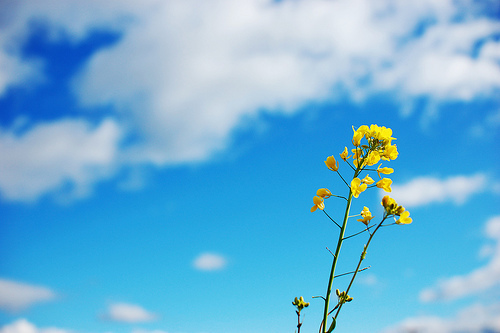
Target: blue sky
[[158, 162]]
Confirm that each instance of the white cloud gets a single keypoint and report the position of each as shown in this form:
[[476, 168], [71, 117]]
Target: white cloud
[[185, 74], [129, 313], [49, 156], [425, 190], [197, 73], [479, 280], [16, 296], [24, 326], [477, 318], [210, 262]]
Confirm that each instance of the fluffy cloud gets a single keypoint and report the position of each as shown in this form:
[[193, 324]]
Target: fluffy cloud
[[473, 319], [129, 313], [426, 190], [184, 75], [209, 262], [17, 296], [24, 326], [50, 156], [478, 280]]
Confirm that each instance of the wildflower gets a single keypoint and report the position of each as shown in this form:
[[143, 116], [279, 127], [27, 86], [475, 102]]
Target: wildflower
[[318, 203], [359, 134], [373, 158], [357, 187], [385, 184], [367, 216], [404, 218], [389, 204], [324, 193], [344, 154], [385, 135], [385, 171], [358, 155], [331, 163], [390, 153], [367, 180]]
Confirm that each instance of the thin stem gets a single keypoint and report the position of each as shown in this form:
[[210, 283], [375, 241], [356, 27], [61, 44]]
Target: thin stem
[[331, 219], [342, 177], [365, 230], [362, 257], [299, 324], [362, 269], [334, 264]]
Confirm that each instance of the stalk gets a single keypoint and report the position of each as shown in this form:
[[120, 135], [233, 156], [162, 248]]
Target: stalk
[[363, 254], [334, 264]]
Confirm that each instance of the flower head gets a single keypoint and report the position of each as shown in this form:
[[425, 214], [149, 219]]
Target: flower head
[[359, 134], [385, 184], [324, 193], [300, 303], [367, 180], [318, 203], [404, 217], [357, 187], [331, 163], [390, 153], [389, 204], [373, 158], [344, 154], [367, 216], [385, 171]]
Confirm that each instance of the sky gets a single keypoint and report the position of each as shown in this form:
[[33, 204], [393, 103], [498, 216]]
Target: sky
[[158, 161]]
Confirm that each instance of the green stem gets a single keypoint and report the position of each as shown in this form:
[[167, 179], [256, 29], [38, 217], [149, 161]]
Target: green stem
[[334, 264], [362, 257]]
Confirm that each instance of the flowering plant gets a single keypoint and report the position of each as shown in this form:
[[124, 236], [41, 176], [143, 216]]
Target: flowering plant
[[364, 156]]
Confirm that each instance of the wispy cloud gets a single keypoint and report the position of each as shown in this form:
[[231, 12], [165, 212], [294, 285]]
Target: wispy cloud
[[426, 190], [129, 313], [24, 326], [16, 296], [477, 318], [209, 262], [197, 75], [479, 280]]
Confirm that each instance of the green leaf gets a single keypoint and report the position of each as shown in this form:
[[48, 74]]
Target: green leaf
[[332, 326]]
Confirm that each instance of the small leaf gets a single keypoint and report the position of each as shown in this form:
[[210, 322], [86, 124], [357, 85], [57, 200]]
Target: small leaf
[[332, 326]]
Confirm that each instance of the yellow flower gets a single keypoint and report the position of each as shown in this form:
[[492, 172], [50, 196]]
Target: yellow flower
[[373, 158], [385, 171], [324, 193], [374, 131], [359, 134], [404, 218], [344, 154], [331, 163], [389, 204], [358, 155], [385, 134], [357, 187], [367, 180], [367, 216], [318, 203], [385, 184], [390, 153]]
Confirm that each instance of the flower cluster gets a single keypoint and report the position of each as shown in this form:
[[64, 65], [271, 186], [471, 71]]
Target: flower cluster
[[392, 208], [300, 303], [343, 297], [378, 147]]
